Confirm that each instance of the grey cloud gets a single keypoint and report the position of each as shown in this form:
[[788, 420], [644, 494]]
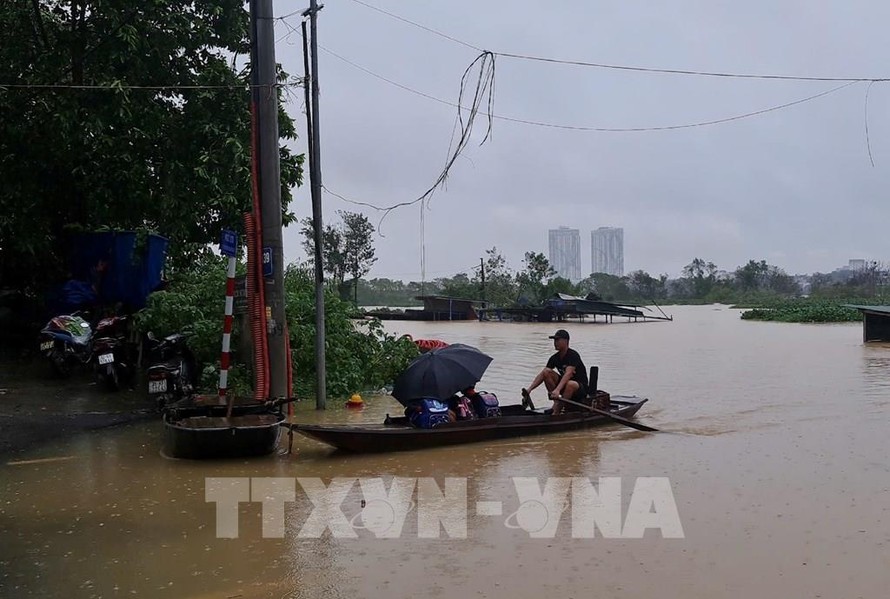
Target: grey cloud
[[794, 187]]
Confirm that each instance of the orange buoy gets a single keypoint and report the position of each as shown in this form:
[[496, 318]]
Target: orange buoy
[[425, 345], [355, 402]]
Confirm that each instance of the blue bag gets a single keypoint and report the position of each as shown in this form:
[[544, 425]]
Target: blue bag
[[427, 413]]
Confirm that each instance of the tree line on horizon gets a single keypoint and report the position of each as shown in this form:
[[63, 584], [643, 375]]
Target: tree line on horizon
[[701, 282]]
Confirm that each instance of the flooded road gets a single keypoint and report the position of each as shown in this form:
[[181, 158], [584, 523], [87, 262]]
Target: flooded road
[[774, 451]]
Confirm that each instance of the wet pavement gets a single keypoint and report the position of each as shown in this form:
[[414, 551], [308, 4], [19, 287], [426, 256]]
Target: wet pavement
[[36, 407]]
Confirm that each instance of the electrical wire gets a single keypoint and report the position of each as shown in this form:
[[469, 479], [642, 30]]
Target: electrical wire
[[598, 65], [582, 63], [867, 137], [424, 27], [121, 87], [595, 128]]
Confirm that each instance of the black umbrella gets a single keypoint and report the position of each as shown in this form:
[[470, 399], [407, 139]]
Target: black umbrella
[[441, 373]]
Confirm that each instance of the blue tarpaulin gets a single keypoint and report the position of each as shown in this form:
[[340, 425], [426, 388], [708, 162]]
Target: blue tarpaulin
[[131, 273]]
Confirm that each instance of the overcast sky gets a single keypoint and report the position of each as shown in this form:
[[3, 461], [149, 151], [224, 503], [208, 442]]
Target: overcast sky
[[794, 187]]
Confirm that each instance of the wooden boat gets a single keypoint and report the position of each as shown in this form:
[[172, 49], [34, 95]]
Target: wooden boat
[[199, 431], [397, 434]]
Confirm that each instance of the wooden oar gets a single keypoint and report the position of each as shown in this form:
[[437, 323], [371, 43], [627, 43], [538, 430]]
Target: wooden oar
[[275, 403], [615, 417]]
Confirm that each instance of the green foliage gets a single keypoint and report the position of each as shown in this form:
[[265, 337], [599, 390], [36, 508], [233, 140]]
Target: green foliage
[[346, 248], [606, 287], [387, 292], [700, 277], [357, 246], [174, 160], [533, 279], [804, 311], [810, 310], [359, 354], [500, 288], [194, 304], [460, 285]]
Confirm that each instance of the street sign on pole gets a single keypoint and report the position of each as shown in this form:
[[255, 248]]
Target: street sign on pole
[[267, 261], [228, 246], [240, 296]]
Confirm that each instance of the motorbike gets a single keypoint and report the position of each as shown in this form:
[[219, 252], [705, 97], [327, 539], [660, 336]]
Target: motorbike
[[66, 341], [173, 370], [114, 357]]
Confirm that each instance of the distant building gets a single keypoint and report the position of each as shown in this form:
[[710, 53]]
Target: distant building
[[607, 251], [565, 253]]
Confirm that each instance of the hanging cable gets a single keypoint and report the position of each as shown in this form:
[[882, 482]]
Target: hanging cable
[[867, 138]]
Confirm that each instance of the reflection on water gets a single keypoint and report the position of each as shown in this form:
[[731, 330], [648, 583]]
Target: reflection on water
[[773, 469]]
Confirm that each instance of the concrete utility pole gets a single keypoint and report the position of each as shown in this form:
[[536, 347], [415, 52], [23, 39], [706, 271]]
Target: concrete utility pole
[[482, 274], [317, 223], [265, 97]]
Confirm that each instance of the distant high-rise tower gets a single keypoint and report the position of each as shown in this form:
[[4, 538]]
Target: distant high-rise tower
[[565, 253], [607, 251]]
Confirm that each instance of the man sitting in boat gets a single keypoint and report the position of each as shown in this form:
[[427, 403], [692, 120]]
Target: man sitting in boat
[[564, 376]]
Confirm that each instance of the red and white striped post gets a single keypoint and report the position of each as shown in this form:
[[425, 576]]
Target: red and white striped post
[[229, 248]]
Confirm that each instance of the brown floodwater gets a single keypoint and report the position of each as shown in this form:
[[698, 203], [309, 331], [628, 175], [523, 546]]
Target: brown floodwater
[[775, 449]]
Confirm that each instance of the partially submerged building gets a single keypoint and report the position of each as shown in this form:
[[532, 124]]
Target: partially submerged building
[[875, 322]]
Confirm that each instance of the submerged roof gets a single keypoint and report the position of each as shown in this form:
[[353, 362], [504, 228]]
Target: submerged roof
[[447, 298], [881, 309]]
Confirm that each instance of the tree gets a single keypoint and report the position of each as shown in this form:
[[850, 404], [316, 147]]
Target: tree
[[642, 284], [460, 285], [357, 246], [332, 258], [605, 287], [700, 276], [500, 289], [163, 142], [559, 285], [751, 276], [346, 249], [535, 275], [760, 276]]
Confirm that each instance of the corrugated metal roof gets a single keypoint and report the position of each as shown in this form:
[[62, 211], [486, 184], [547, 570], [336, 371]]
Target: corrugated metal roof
[[881, 309]]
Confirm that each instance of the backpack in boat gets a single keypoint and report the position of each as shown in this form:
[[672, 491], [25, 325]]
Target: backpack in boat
[[486, 405], [463, 409], [428, 413]]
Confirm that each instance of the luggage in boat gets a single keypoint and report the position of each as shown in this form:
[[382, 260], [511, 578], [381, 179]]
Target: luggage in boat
[[427, 413], [462, 408], [486, 405]]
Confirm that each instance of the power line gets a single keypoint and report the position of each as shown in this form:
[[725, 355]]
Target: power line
[[424, 27], [582, 63], [593, 128], [598, 65], [389, 81], [121, 87], [688, 125]]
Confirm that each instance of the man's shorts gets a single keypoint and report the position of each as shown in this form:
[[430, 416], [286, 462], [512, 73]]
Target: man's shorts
[[580, 396]]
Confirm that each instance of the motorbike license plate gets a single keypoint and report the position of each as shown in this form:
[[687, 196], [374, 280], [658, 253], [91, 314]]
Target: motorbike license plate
[[157, 386], [46, 345], [106, 358]]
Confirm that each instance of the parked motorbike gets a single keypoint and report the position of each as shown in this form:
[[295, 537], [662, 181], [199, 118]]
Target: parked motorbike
[[173, 371], [114, 357], [66, 342]]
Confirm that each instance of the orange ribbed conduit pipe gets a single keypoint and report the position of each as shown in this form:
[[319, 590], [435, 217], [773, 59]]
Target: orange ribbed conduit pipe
[[255, 307], [255, 223]]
